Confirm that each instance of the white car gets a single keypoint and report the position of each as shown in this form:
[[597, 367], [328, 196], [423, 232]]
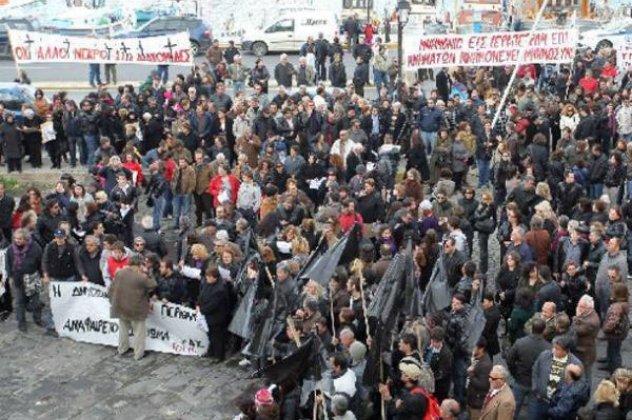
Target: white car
[[614, 32]]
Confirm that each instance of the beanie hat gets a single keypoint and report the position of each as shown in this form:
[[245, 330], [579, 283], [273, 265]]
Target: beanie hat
[[357, 350], [410, 367]]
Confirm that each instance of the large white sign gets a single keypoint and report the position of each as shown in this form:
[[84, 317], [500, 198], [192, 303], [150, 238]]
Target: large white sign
[[81, 311], [39, 47], [490, 49], [624, 53]]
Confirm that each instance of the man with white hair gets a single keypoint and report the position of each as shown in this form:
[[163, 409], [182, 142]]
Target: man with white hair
[[284, 71], [586, 324], [238, 73], [305, 74], [519, 245], [499, 402]]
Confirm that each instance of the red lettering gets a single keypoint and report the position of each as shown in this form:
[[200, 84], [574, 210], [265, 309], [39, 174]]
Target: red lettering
[[21, 53]]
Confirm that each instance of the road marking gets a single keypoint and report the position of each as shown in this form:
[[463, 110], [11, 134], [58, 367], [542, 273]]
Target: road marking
[[2, 67]]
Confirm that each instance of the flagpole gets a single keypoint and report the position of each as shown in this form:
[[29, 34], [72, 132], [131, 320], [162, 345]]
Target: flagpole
[[518, 64], [364, 309], [331, 309]]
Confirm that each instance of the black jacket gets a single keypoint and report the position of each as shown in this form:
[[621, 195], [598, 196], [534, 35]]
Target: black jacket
[[479, 382], [90, 266], [371, 207], [492, 319], [338, 75], [7, 205], [60, 262], [568, 197], [172, 288], [522, 356], [456, 335], [598, 169], [30, 264], [361, 75], [154, 243], [441, 365], [214, 302]]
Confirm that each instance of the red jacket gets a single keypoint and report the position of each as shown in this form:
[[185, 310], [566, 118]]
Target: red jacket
[[589, 85], [169, 167], [348, 220], [215, 187], [115, 265], [135, 167]]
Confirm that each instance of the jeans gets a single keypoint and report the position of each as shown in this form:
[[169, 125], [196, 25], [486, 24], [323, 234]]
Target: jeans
[[181, 207], [379, 77], [156, 211], [430, 139], [163, 72], [613, 351], [602, 293], [458, 379], [92, 143], [167, 209], [94, 76], [521, 395], [483, 166], [537, 408], [239, 86], [596, 190], [73, 142], [110, 73]]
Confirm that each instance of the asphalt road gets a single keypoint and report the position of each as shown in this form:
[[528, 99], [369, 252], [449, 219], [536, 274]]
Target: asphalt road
[[67, 72]]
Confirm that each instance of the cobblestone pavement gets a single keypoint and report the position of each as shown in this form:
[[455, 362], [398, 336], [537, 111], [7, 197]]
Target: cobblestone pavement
[[53, 378]]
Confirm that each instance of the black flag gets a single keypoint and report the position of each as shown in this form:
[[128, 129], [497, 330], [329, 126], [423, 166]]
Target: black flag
[[289, 371]]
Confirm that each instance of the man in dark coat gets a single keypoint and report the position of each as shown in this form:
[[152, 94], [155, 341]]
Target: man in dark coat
[[360, 76], [13, 144], [284, 71], [444, 84], [337, 73], [521, 358], [478, 374], [90, 261], [439, 357], [214, 303], [492, 319], [7, 205]]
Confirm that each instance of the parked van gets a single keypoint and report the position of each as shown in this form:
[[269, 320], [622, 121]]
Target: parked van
[[290, 32]]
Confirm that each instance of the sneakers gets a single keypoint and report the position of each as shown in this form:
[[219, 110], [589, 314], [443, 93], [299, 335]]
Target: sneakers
[[244, 362]]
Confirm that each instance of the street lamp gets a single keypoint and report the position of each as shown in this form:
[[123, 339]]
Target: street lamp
[[403, 9]]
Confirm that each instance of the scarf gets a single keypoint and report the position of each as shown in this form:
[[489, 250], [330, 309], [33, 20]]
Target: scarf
[[19, 255]]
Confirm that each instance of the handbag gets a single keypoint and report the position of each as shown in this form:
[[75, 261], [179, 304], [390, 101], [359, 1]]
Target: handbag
[[32, 283], [484, 226]]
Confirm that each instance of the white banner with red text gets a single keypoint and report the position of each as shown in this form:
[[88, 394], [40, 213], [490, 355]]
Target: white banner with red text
[[39, 47], [490, 49], [81, 311]]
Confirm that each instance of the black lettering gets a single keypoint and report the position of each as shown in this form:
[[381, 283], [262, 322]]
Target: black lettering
[[56, 291]]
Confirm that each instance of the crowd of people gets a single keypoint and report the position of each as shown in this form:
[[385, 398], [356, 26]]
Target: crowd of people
[[528, 220]]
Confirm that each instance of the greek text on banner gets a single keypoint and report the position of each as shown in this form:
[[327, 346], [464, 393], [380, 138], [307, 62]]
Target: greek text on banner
[[38, 47], [81, 311], [490, 49]]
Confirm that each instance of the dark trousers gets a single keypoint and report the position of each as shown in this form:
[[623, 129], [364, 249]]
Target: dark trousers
[[6, 303], [203, 205], [52, 147], [15, 164], [359, 89], [613, 350], [483, 239], [321, 70], [21, 302], [35, 152], [217, 340], [73, 142]]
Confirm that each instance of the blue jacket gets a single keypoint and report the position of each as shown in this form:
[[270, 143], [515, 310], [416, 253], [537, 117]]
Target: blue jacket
[[568, 399], [542, 369], [430, 119]]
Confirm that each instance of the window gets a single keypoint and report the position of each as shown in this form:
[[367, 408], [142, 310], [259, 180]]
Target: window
[[286, 25], [159, 25]]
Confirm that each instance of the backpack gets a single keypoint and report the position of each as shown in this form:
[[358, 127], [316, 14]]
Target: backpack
[[433, 411]]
